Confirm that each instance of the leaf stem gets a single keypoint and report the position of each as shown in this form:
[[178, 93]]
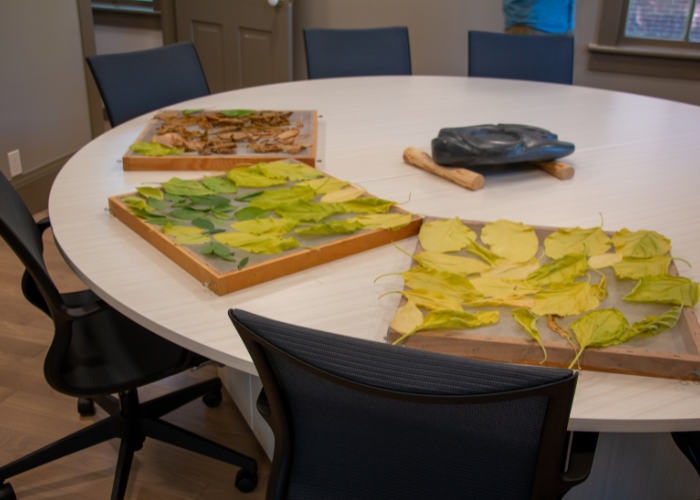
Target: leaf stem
[[576, 358], [387, 293], [387, 274], [683, 260]]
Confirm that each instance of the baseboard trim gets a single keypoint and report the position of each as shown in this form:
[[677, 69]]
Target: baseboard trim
[[34, 186]]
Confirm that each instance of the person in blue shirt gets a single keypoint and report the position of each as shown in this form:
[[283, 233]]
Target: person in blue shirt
[[539, 17]]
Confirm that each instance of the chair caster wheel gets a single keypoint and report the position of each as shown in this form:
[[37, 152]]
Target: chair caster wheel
[[86, 407], [7, 493], [213, 399], [246, 481]]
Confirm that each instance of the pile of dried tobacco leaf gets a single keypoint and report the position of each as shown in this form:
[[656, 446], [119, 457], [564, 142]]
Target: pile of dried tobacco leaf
[[509, 274], [209, 132]]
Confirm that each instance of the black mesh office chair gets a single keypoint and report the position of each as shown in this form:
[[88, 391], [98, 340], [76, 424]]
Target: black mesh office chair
[[538, 58], [368, 52], [97, 352], [355, 419], [134, 83]]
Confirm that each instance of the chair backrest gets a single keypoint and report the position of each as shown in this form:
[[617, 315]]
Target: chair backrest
[[134, 83], [368, 52], [539, 58], [365, 420], [18, 229]]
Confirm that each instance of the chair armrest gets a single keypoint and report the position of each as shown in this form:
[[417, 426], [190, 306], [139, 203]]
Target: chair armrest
[[44, 224], [86, 310], [581, 458], [263, 405]]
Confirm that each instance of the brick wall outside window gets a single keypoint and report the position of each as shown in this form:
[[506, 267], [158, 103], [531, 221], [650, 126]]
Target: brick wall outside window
[[661, 19]]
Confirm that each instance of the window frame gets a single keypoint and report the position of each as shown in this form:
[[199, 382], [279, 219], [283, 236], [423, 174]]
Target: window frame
[[657, 42]]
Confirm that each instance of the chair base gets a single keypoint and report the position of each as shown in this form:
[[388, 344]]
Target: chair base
[[133, 422]]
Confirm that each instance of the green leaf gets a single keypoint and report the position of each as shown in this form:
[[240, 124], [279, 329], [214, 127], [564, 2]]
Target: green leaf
[[216, 248], [182, 187], [188, 213], [367, 205], [528, 322], [225, 207], [249, 213], [191, 239], [383, 221], [154, 149], [218, 222], [242, 263], [483, 253], [288, 170], [564, 241], [445, 235], [665, 290], [191, 111], [220, 185], [512, 240], [654, 325], [144, 214], [252, 178], [564, 270], [203, 223], [249, 197], [640, 243], [325, 185], [274, 227], [634, 268], [237, 113], [222, 215], [215, 231], [174, 198], [332, 227], [257, 244], [599, 329], [211, 200], [308, 211], [150, 192], [270, 200], [157, 204], [566, 300]]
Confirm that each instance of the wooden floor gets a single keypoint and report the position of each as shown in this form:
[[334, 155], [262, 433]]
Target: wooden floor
[[33, 415]]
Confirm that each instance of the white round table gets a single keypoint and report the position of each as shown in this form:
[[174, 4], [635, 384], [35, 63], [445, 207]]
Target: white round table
[[636, 162]]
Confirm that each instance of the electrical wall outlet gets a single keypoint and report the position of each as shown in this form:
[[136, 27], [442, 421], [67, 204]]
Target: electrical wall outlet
[[15, 163]]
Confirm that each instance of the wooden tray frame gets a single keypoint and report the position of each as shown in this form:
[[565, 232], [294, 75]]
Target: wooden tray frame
[[615, 359], [134, 161], [222, 283]]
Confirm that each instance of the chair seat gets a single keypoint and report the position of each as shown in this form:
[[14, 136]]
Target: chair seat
[[109, 353]]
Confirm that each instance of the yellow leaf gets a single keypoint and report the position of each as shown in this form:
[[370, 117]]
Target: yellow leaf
[[430, 300], [407, 318], [528, 322], [450, 263], [457, 319], [483, 253], [383, 221], [272, 227], [252, 177], [345, 194], [640, 243], [604, 260], [599, 329], [506, 269], [324, 185], [521, 301], [502, 288], [665, 290], [171, 230], [563, 270], [512, 240], [575, 240], [150, 192], [270, 200], [445, 235], [191, 239], [448, 284], [654, 325], [565, 300], [634, 268], [256, 244], [288, 170]]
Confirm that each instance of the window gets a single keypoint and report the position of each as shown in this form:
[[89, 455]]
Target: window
[[672, 20]]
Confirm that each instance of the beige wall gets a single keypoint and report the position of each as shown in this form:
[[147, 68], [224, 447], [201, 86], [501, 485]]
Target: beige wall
[[438, 36], [43, 99]]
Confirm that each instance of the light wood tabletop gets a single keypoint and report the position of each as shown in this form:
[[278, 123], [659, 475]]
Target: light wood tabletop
[[636, 162]]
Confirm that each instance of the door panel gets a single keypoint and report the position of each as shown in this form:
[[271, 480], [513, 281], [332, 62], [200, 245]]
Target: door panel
[[208, 38], [241, 43]]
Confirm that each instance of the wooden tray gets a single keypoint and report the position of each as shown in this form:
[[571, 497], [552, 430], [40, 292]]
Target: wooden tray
[[672, 354], [223, 278], [242, 157]]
